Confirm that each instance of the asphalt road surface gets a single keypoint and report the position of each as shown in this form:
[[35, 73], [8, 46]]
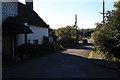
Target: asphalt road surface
[[70, 63]]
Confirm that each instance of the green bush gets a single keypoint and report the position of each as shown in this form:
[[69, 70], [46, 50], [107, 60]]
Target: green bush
[[106, 43], [35, 50], [51, 47], [66, 35], [57, 46], [45, 40], [107, 37], [28, 49], [47, 47]]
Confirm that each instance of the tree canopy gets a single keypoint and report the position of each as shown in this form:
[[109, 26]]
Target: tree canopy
[[107, 37], [66, 34]]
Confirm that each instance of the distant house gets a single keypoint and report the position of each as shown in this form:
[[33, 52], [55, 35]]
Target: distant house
[[20, 24]]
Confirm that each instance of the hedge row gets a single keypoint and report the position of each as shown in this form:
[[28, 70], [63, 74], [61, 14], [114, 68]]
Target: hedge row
[[35, 50]]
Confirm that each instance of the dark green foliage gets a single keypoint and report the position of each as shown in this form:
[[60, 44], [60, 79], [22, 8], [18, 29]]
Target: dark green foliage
[[66, 36], [48, 47], [45, 40], [106, 43], [66, 33], [107, 37], [35, 50], [52, 32], [86, 32], [57, 46], [28, 49]]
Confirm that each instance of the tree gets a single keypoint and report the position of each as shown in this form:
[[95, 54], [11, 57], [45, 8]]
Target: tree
[[107, 38], [66, 34], [86, 32], [117, 5], [98, 25]]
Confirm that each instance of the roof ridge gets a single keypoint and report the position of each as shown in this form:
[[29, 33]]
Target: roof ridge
[[37, 20]]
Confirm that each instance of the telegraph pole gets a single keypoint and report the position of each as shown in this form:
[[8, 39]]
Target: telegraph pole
[[76, 28], [103, 11], [75, 21]]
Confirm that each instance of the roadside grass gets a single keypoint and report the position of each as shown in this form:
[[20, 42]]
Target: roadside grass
[[90, 55], [94, 55], [102, 63]]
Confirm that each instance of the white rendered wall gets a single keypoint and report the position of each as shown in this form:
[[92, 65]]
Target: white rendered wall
[[20, 39], [38, 33]]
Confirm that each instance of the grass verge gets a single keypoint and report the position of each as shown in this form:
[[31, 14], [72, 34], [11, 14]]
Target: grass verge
[[100, 63], [90, 55]]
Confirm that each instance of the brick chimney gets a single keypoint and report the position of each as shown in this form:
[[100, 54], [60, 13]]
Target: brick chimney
[[29, 3]]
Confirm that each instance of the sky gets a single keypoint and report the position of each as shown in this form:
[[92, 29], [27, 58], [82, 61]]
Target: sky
[[61, 13]]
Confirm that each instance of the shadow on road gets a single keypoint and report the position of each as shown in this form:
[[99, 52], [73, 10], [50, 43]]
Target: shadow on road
[[60, 65], [84, 46], [101, 63], [88, 44]]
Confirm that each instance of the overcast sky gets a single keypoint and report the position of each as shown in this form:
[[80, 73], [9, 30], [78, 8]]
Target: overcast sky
[[60, 13]]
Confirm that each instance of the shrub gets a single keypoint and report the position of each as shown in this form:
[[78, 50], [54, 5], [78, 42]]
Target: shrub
[[66, 35], [45, 40], [107, 37], [107, 43], [28, 49], [57, 46], [35, 50]]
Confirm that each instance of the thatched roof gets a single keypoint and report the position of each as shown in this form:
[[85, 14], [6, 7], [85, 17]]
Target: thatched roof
[[26, 14], [15, 25], [11, 25]]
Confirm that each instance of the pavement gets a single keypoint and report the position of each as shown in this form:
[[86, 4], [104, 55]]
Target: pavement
[[70, 63]]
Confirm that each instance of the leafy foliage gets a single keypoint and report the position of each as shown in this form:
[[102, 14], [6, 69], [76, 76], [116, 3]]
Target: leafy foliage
[[48, 47], [86, 32], [66, 35], [107, 37], [35, 50], [28, 49]]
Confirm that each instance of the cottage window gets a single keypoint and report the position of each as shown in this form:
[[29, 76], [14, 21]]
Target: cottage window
[[35, 41]]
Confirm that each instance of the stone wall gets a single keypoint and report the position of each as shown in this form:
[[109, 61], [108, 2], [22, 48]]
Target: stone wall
[[9, 9]]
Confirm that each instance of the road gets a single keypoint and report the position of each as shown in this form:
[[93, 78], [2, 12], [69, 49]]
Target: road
[[79, 50], [70, 63]]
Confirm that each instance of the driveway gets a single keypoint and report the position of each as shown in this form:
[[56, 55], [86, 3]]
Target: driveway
[[67, 64]]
